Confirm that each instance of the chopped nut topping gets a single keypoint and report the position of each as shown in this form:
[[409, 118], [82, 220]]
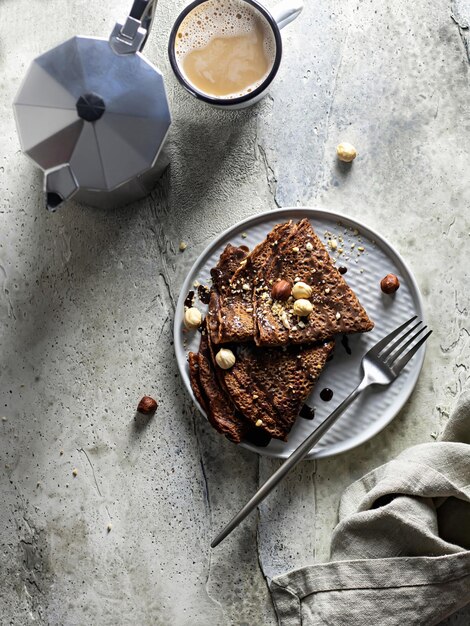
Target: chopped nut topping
[[361, 248], [183, 245], [338, 315], [309, 246], [246, 287], [285, 320], [259, 423], [327, 290], [295, 249], [333, 244], [300, 324]]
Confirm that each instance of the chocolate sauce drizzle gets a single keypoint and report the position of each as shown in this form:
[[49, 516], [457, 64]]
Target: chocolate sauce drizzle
[[345, 344], [204, 294], [258, 437], [326, 394], [307, 412], [189, 302]]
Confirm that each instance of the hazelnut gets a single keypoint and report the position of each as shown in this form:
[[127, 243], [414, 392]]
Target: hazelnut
[[192, 318], [147, 406], [225, 359], [281, 290], [302, 307], [390, 283], [301, 290], [346, 152]]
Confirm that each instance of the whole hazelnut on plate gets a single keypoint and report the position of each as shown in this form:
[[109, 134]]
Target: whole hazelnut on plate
[[302, 307], [390, 283], [301, 290], [192, 318], [225, 359], [346, 152], [281, 290], [147, 406]]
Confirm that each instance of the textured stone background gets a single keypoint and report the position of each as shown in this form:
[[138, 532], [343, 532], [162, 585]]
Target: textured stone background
[[87, 297]]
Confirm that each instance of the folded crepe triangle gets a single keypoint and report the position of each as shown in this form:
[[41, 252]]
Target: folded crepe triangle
[[291, 252]]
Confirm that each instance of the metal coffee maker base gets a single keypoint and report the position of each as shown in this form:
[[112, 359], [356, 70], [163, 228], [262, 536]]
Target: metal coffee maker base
[[136, 189]]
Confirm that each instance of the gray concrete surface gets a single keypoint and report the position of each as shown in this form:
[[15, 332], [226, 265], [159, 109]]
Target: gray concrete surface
[[87, 297]]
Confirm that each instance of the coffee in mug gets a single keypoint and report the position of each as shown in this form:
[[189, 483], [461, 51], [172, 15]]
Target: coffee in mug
[[225, 48]]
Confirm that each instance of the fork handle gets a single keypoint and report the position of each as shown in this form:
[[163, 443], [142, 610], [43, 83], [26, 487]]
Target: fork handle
[[299, 453]]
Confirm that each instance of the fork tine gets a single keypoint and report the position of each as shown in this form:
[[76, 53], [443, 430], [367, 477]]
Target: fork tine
[[375, 350], [400, 364], [395, 344], [391, 359]]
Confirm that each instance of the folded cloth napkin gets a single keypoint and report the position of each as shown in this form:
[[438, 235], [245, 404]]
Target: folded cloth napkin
[[400, 554]]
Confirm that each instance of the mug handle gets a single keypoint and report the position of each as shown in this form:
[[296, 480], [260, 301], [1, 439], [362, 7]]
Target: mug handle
[[287, 11]]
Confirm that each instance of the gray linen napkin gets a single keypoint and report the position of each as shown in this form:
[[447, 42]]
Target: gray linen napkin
[[400, 554]]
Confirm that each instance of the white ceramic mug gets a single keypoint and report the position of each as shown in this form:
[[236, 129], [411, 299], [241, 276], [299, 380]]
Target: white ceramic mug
[[283, 14]]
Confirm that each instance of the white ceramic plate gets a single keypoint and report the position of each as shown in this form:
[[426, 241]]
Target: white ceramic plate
[[377, 406]]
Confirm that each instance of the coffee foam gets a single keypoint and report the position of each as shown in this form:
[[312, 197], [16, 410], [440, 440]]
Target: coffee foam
[[222, 18]]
